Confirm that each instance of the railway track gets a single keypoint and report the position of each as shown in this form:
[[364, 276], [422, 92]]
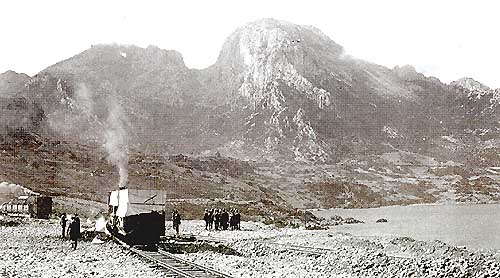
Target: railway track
[[296, 248], [175, 266], [303, 249]]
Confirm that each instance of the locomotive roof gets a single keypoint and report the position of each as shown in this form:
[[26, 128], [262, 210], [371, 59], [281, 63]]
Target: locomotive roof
[[139, 201]]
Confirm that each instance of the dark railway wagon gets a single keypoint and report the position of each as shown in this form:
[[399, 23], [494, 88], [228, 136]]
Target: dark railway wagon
[[40, 207]]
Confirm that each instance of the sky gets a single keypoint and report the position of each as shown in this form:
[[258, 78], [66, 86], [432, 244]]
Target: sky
[[445, 39]]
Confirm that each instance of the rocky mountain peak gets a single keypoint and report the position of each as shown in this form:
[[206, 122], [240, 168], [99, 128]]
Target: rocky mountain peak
[[11, 73], [408, 72], [12, 83], [270, 53], [470, 84], [477, 91], [271, 40], [113, 57]]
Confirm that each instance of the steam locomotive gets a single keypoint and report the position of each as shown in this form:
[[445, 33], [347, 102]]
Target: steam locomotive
[[136, 216]]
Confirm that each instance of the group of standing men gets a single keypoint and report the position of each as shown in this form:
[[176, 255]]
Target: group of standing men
[[221, 219], [73, 228]]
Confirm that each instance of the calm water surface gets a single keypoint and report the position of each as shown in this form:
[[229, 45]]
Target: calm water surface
[[475, 226]]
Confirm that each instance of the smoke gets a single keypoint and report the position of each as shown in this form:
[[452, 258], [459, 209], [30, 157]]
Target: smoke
[[116, 143], [100, 224], [113, 131]]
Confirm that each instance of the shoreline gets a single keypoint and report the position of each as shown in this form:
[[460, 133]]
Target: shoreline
[[407, 205], [471, 225]]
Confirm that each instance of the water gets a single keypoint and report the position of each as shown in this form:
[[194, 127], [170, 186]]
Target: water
[[475, 226]]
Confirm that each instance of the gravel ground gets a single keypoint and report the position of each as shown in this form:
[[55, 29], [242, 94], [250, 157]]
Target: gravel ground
[[36, 249], [353, 256]]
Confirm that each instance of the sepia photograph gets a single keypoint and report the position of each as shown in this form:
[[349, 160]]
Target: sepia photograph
[[238, 139]]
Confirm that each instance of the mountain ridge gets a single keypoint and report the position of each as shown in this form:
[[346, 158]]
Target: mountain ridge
[[285, 95]]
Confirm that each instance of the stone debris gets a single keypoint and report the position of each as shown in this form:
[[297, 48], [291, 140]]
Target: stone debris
[[36, 249], [352, 256]]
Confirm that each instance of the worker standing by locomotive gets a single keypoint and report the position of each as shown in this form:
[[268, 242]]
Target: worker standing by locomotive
[[74, 231], [176, 221], [63, 222]]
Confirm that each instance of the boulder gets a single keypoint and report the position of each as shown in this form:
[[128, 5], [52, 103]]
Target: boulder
[[350, 220]]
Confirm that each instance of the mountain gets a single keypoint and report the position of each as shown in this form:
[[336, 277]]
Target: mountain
[[470, 84], [12, 82], [319, 127], [305, 100], [91, 82], [303, 96], [18, 115]]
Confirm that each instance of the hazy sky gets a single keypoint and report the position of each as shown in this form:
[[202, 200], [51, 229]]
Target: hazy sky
[[446, 39]]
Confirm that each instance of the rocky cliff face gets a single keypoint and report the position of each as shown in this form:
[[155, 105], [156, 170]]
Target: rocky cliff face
[[301, 94]]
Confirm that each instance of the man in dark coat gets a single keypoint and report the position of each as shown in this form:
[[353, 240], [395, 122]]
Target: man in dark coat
[[176, 220], [206, 217], [217, 219], [211, 219], [224, 219], [63, 222], [237, 219], [231, 219], [74, 231]]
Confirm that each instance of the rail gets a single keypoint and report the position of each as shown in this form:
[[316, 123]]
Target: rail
[[291, 247], [174, 265]]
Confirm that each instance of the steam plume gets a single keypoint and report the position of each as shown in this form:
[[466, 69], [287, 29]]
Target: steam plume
[[113, 129], [116, 141]]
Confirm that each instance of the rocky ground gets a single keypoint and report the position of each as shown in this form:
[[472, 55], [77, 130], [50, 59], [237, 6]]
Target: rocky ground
[[34, 248], [352, 256]]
